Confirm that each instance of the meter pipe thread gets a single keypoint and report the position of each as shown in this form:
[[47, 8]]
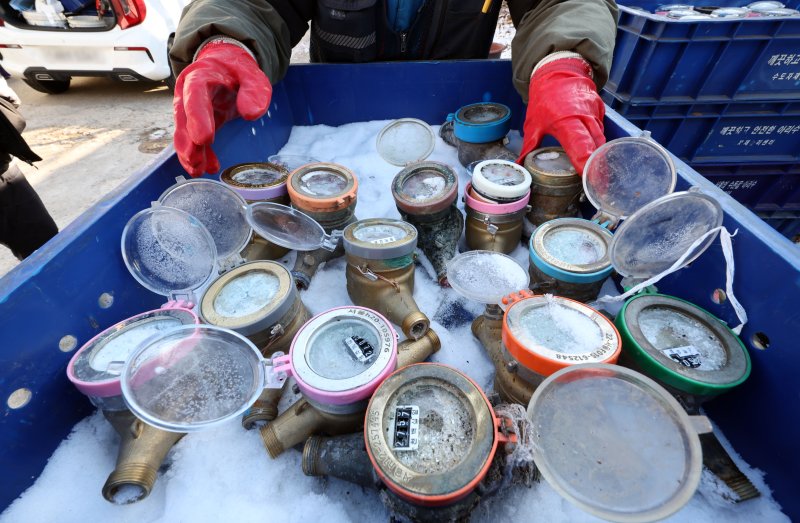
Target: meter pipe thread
[[142, 449], [391, 294], [438, 237], [265, 408], [302, 419], [307, 263], [343, 457]]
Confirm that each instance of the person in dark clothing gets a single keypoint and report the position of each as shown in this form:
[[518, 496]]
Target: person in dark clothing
[[25, 224], [227, 53]]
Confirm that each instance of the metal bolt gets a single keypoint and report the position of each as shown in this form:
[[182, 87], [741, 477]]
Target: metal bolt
[[511, 366], [19, 398], [105, 300], [295, 389], [67, 343]]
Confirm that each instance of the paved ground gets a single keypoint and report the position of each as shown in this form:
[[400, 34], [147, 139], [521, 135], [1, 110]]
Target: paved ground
[[99, 132]]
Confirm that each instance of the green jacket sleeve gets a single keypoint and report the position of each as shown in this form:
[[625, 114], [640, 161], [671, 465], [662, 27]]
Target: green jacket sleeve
[[255, 23], [587, 27]]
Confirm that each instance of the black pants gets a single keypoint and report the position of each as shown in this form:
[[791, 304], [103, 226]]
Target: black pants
[[25, 224]]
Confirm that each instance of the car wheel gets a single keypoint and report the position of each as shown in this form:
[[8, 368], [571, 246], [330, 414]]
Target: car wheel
[[48, 86], [170, 80]]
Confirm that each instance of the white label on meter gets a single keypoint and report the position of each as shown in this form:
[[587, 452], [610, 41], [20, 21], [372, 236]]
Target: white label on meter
[[687, 356], [405, 428], [383, 241]]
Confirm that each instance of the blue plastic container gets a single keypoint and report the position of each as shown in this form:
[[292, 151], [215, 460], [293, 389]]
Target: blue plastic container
[[785, 222], [54, 293], [74, 6], [752, 132], [669, 61], [761, 186]]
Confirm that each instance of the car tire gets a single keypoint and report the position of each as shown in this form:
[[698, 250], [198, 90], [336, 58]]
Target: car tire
[[48, 86], [171, 79]]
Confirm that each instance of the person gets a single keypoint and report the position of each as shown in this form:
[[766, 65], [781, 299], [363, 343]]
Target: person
[[227, 55], [25, 224]]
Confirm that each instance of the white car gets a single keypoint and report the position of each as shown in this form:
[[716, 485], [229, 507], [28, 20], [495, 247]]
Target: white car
[[128, 40]]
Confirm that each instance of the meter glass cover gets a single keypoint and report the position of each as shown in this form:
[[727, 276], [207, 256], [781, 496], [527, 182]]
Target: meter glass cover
[[626, 174], [168, 250], [614, 443], [285, 226], [655, 237], [218, 207], [246, 294], [576, 246], [193, 377], [406, 141], [425, 184], [486, 276], [343, 348], [380, 233]]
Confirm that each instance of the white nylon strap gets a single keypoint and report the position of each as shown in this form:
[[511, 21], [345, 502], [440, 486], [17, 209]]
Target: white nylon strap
[[727, 251]]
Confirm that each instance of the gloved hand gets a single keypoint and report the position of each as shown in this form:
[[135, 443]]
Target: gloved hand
[[563, 102], [223, 82]]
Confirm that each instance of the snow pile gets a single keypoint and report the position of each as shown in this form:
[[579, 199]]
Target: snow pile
[[225, 474]]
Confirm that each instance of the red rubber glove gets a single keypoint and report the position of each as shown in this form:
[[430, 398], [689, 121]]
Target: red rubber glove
[[223, 82], [563, 102]]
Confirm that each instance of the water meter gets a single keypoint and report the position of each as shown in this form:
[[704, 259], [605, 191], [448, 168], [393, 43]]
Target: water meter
[[380, 271], [425, 194]]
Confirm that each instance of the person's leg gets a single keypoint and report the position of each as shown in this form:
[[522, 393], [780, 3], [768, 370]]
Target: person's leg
[[25, 224]]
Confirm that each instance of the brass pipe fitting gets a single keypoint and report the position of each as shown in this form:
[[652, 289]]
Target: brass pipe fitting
[[307, 263], [302, 419], [390, 293], [508, 382], [265, 409], [142, 449], [261, 249], [417, 351], [343, 457], [493, 233]]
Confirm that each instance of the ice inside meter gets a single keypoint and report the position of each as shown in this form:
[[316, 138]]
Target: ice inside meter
[[168, 251], [380, 238], [626, 174], [552, 160], [561, 329], [429, 431], [193, 377], [218, 207], [288, 227], [256, 175], [615, 443], [486, 276], [428, 181], [291, 162], [573, 245], [341, 355]]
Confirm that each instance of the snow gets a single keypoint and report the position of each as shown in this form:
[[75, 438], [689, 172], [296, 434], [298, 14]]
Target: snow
[[225, 474]]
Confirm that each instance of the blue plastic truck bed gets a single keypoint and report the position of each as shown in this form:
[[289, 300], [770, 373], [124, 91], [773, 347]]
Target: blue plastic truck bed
[[49, 304]]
